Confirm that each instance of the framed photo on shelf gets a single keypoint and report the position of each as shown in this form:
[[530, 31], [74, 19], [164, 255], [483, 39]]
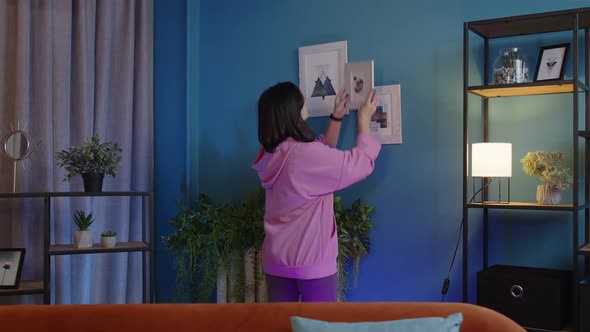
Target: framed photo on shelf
[[386, 123], [551, 64], [321, 70], [11, 266], [359, 81]]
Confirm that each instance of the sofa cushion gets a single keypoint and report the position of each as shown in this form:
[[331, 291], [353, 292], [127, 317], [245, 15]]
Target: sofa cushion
[[430, 324]]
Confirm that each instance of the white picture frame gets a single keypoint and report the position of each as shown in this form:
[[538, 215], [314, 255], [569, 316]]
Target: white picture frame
[[321, 70], [386, 123], [359, 81]]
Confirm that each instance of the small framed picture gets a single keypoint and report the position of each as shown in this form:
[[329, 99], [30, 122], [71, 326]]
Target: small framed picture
[[11, 266], [551, 64], [359, 81], [386, 123], [320, 75]]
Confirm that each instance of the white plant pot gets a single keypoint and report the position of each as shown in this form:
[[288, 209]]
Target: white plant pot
[[83, 239], [108, 241]]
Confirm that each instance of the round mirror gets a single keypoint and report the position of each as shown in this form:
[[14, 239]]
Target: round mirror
[[16, 145]]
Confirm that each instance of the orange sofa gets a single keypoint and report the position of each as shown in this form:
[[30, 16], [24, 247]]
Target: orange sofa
[[233, 317]]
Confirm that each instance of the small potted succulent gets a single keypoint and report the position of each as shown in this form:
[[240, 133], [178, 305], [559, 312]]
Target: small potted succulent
[[83, 236], [92, 160], [546, 166], [108, 239]]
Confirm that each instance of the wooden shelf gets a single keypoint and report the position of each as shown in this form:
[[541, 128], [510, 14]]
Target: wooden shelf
[[530, 24], [585, 250], [526, 89], [74, 194], [68, 249], [524, 206], [25, 287]]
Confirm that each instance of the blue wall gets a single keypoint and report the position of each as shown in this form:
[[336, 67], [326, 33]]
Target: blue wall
[[170, 129], [235, 50], [416, 186]]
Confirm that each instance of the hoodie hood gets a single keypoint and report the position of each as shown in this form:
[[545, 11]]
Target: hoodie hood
[[270, 165]]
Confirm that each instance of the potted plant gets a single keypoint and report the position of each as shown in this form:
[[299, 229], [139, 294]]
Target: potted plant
[[209, 239], [546, 166], [83, 236], [108, 239], [92, 160]]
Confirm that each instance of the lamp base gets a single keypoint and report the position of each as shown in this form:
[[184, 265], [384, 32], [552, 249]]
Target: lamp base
[[484, 194]]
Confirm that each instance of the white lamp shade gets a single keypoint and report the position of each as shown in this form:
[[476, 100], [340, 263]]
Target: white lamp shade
[[491, 160]]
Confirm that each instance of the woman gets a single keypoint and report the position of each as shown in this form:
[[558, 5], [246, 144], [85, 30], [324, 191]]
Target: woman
[[300, 174]]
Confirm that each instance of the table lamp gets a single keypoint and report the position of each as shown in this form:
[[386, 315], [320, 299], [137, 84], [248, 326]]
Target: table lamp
[[491, 160]]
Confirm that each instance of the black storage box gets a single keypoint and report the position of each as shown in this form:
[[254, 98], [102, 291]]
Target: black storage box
[[533, 297], [584, 311]]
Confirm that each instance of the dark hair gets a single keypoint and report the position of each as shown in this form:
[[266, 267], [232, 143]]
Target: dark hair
[[279, 116]]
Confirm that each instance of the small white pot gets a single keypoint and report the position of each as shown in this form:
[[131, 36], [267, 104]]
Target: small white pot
[[108, 241], [83, 239]]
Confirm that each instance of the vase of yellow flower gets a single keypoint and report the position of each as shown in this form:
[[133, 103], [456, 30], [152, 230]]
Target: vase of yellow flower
[[546, 166]]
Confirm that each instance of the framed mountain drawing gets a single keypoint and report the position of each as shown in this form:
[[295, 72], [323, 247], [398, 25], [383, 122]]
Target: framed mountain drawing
[[321, 70]]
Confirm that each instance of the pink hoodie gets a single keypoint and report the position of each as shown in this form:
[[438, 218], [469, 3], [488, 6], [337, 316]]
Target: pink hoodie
[[300, 180]]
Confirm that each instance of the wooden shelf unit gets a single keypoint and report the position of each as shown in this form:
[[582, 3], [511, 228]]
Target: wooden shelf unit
[[143, 245]]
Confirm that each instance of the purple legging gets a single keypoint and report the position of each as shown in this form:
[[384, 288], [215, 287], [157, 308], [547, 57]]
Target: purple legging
[[311, 290]]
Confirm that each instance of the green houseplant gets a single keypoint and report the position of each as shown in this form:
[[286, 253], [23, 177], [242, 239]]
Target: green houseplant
[[92, 160], [108, 239], [545, 165], [209, 238], [83, 236]]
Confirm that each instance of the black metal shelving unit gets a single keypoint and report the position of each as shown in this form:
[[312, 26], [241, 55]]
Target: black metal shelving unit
[[143, 245], [572, 20]]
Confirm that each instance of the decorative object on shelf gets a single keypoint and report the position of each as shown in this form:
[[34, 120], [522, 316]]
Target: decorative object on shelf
[[108, 239], [546, 166], [491, 160], [551, 64], [511, 66], [321, 70], [92, 160], [11, 266], [358, 82], [386, 123], [17, 146], [83, 236]]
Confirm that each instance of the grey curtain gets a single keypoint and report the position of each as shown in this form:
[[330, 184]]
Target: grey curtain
[[70, 69]]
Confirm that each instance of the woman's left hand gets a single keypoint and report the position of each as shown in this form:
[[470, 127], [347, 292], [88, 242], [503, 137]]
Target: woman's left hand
[[341, 104]]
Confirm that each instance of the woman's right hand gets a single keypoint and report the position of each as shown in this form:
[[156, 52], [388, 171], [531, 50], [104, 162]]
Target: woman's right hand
[[366, 111]]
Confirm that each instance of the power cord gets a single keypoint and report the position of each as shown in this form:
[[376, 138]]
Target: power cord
[[447, 281]]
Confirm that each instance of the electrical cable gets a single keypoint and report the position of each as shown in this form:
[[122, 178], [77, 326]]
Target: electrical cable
[[447, 281]]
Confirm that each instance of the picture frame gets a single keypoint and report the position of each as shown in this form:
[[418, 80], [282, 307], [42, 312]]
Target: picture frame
[[386, 123], [551, 63], [359, 81], [11, 266], [321, 70]]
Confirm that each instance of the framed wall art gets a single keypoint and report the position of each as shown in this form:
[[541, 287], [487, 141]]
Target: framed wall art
[[11, 266], [386, 123], [321, 70], [359, 81], [551, 64]]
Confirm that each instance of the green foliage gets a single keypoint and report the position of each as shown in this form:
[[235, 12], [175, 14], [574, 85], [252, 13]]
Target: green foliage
[[90, 157], [82, 220], [546, 166], [208, 237], [354, 224], [108, 234]]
